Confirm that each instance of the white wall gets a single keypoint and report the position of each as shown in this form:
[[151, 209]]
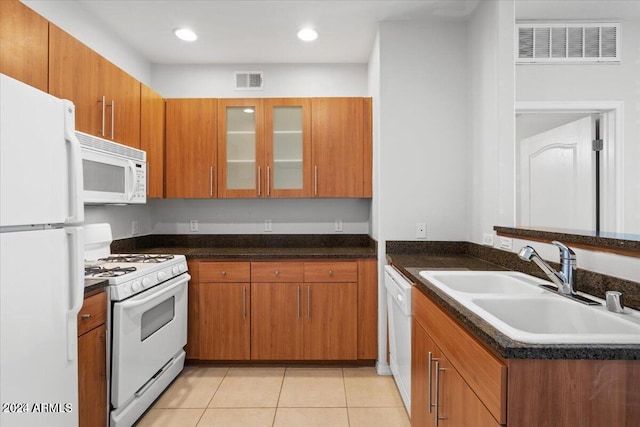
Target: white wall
[[607, 82], [73, 18], [491, 128], [247, 216], [422, 130], [280, 80]]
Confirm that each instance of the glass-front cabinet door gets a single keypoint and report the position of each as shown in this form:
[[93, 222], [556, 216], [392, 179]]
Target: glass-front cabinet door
[[241, 148], [288, 147]]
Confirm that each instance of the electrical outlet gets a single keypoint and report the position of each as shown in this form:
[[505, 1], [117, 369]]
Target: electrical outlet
[[134, 227], [421, 230], [487, 239], [268, 226], [506, 243], [193, 225], [338, 225]]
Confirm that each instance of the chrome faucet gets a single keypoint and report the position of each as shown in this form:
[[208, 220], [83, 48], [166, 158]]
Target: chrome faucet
[[566, 277]]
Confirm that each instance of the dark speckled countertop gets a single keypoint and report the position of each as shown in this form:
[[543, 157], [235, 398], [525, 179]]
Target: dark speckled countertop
[[410, 264], [252, 246], [93, 286]]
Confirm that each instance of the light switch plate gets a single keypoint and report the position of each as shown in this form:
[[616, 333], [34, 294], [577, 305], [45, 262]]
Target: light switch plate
[[487, 239], [338, 226], [506, 243], [193, 225], [268, 225], [134, 227]]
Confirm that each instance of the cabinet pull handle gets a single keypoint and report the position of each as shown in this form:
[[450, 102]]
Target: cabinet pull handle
[[244, 302], [430, 360], [259, 179], [315, 180], [211, 181], [298, 302], [103, 101], [268, 181], [113, 119], [86, 316], [309, 302], [437, 418]]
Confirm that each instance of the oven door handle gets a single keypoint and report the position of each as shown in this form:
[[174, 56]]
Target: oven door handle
[[135, 303]]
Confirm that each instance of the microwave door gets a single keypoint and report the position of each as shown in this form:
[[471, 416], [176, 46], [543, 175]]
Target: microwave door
[[105, 178]]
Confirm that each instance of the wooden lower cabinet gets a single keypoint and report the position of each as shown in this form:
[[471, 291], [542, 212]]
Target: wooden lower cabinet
[[282, 310], [225, 319], [277, 330], [92, 362]]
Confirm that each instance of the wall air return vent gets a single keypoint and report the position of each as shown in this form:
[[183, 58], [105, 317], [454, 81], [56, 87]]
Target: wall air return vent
[[563, 42], [248, 80]]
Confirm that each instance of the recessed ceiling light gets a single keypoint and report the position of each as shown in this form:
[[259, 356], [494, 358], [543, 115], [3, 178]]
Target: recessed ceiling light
[[248, 110], [185, 34], [307, 34]]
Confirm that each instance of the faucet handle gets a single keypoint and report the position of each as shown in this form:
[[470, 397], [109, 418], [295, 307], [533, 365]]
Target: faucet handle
[[614, 302], [565, 251]]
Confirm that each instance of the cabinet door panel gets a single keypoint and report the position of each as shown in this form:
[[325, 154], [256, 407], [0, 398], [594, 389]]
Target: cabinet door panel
[[277, 329], [288, 147], [422, 376], [338, 147], [123, 101], [24, 37], [225, 321], [190, 148], [330, 321], [241, 167], [75, 73], [152, 139], [92, 380]]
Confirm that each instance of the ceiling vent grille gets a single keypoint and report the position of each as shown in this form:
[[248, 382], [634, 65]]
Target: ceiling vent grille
[[248, 80], [557, 42]]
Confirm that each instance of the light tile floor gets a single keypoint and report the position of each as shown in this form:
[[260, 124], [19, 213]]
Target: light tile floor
[[278, 397]]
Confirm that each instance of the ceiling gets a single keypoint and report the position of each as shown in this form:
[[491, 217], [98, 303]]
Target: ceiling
[[261, 31], [264, 31]]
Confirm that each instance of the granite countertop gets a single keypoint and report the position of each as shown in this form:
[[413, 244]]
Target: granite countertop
[[411, 265], [94, 286], [250, 247]]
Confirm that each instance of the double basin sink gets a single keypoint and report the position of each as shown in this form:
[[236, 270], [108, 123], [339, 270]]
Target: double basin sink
[[516, 305]]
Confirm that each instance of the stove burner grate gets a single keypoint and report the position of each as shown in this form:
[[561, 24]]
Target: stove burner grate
[[137, 258], [97, 271]]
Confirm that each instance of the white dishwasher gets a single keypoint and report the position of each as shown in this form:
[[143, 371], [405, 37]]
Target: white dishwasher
[[399, 315]]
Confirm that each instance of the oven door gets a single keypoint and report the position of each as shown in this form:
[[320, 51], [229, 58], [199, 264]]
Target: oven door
[[149, 329]]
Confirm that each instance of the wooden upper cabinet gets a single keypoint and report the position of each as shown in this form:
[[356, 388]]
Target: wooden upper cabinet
[[123, 106], [107, 99], [152, 139], [241, 167], [24, 37], [287, 135], [339, 147], [190, 148], [74, 73]]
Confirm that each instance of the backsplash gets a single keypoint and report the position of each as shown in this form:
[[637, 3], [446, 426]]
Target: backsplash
[[586, 281]]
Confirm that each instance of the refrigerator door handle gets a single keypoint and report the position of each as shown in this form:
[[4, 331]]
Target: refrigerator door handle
[[76, 287], [76, 187]]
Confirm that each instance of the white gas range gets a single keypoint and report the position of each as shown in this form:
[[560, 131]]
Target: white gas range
[[147, 318]]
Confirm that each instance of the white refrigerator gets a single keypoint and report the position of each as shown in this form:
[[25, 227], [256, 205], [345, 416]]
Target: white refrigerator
[[41, 257]]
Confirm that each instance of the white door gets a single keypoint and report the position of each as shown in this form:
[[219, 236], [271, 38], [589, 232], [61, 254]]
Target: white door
[[41, 290], [557, 178]]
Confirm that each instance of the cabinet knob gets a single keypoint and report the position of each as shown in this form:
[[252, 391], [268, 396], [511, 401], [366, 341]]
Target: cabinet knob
[[224, 273], [330, 272], [277, 273], [86, 316]]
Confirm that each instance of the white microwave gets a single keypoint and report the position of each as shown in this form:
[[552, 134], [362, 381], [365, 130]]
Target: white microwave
[[113, 174]]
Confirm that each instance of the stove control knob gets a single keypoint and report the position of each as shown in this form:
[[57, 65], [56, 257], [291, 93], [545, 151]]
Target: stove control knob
[[161, 276], [136, 286], [175, 270], [146, 282], [182, 268]]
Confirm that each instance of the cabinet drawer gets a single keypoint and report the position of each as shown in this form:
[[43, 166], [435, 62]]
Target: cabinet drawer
[[333, 271], [93, 313], [270, 272], [225, 272]]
